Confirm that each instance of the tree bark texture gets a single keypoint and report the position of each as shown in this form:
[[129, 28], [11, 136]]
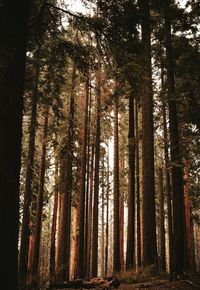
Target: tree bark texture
[[25, 232], [116, 234], [38, 226], [13, 33], [176, 163], [162, 221], [94, 264], [130, 253], [148, 179], [80, 271], [65, 219], [54, 226], [139, 262]]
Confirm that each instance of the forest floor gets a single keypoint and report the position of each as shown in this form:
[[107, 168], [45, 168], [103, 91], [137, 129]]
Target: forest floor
[[191, 282]]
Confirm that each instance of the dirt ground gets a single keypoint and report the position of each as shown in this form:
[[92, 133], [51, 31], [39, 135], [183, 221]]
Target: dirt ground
[[192, 282]]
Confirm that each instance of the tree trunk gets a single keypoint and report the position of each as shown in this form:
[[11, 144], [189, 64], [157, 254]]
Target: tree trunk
[[96, 184], [176, 163], [102, 222], [168, 185], [38, 227], [80, 271], [121, 212], [87, 217], [188, 218], [13, 32], [54, 226], [90, 213], [162, 221], [148, 180], [64, 237], [138, 188], [130, 253], [116, 234], [25, 232], [107, 215]]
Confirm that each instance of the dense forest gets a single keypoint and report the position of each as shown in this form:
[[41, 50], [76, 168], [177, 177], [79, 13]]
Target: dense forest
[[99, 140]]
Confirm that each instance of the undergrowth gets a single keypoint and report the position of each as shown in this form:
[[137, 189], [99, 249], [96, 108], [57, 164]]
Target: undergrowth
[[138, 276]]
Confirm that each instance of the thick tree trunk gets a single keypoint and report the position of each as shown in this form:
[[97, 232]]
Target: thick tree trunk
[[65, 222], [13, 33], [116, 234], [38, 226], [148, 180], [130, 253], [176, 163], [138, 186], [96, 184], [25, 232]]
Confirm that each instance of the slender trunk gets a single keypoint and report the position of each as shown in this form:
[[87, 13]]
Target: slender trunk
[[138, 188], [168, 185], [130, 253], [102, 224], [25, 232], [188, 218], [162, 221], [107, 216], [60, 198], [38, 227], [176, 164], [96, 186], [80, 271], [64, 238], [90, 213], [121, 213], [148, 179], [116, 234], [30, 257], [54, 226], [88, 196]]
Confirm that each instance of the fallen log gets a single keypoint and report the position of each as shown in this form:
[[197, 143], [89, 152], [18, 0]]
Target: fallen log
[[103, 283]]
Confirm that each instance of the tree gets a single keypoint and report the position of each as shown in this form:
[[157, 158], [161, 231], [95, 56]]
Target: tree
[[28, 190], [130, 254], [40, 201], [148, 182], [176, 170], [12, 69], [116, 234], [65, 220], [96, 181], [81, 255]]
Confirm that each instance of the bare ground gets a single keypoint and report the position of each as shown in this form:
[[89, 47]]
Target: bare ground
[[191, 282]]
